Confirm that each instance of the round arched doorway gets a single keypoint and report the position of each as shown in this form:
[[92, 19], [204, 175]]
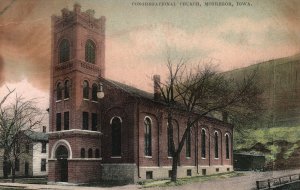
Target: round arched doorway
[[62, 154]]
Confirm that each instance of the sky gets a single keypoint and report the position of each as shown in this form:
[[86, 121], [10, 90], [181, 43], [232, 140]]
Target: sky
[[138, 37]]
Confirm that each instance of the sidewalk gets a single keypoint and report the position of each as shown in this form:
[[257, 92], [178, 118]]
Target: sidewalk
[[245, 182], [65, 187]]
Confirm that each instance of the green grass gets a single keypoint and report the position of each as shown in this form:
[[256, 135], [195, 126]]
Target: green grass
[[267, 136], [183, 181]]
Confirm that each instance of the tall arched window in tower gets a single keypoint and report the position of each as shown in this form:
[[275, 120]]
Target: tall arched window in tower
[[67, 89], [227, 145], [59, 91], [85, 90], [148, 138], [94, 92], [64, 51], [116, 136], [90, 153], [203, 143], [216, 145], [188, 144], [90, 51]]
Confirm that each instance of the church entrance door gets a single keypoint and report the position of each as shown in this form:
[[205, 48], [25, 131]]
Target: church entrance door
[[62, 155]]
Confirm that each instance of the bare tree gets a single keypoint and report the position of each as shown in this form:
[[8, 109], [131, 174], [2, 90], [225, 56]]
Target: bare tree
[[200, 91], [18, 118]]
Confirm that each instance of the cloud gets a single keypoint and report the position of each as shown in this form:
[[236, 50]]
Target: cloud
[[134, 55], [1, 70]]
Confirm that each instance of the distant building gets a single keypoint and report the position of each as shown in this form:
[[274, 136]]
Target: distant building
[[123, 135], [34, 158]]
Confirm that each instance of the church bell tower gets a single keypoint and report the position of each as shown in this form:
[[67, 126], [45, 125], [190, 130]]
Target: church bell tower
[[77, 62]]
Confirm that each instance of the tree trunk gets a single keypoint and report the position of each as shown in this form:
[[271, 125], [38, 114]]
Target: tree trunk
[[174, 167], [13, 176], [5, 166]]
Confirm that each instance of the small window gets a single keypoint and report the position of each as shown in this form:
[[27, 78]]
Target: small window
[[97, 153], [90, 51], [43, 165], [149, 175], [189, 172], [44, 144], [58, 121], [85, 120], [227, 146], [216, 145], [82, 153], [170, 173], [90, 153], [228, 169], [148, 139], [44, 129], [203, 171], [217, 169], [18, 148], [116, 136], [94, 122], [66, 121], [67, 89], [64, 51], [59, 89], [85, 90], [188, 144], [27, 147], [17, 165], [94, 92], [203, 143]]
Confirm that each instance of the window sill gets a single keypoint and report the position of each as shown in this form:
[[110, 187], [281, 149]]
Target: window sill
[[86, 99], [148, 156], [116, 157], [216, 158], [170, 157], [188, 158], [58, 101], [203, 158], [66, 99], [94, 101]]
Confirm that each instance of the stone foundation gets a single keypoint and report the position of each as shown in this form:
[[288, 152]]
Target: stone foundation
[[182, 171], [119, 172]]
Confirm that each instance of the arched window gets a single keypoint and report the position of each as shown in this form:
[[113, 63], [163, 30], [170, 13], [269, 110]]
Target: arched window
[[216, 145], [188, 144], [148, 139], [82, 153], [85, 90], [59, 91], [227, 145], [116, 136], [67, 89], [203, 143], [90, 153], [97, 153], [90, 51], [64, 51], [175, 132], [94, 92]]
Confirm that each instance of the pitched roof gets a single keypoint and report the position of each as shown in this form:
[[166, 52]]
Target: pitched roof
[[131, 90], [37, 136]]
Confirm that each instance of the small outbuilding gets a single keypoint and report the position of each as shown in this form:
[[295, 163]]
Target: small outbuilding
[[248, 161]]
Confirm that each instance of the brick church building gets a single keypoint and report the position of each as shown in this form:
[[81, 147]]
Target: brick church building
[[123, 134]]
